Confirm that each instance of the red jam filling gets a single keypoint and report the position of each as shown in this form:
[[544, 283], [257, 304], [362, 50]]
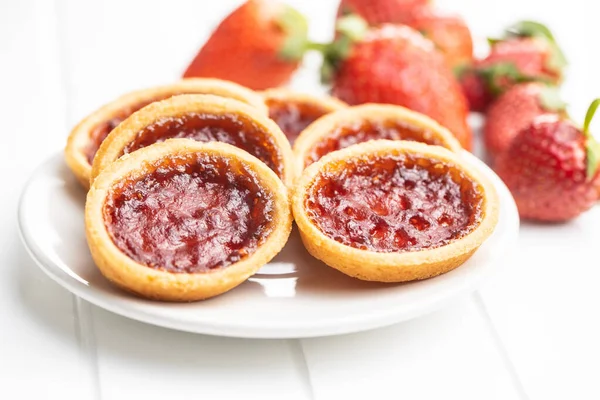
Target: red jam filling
[[103, 129], [345, 136], [190, 214], [394, 203], [231, 129], [292, 117]]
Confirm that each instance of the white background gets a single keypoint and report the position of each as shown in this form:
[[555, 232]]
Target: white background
[[531, 332]]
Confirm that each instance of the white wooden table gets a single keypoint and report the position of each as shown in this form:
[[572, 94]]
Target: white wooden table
[[531, 332]]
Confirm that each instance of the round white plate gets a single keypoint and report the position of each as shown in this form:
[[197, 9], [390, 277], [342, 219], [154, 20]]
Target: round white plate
[[293, 296]]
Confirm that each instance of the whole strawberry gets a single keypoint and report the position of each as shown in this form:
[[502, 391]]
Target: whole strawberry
[[259, 45], [449, 33], [527, 53], [383, 11], [516, 109], [395, 64], [551, 168]]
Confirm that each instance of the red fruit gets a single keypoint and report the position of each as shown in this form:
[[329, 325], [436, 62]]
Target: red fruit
[[515, 110], [551, 168], [394, 64], [475, 91], [383, 11], [449, 33], [259, 45], [527, 53]]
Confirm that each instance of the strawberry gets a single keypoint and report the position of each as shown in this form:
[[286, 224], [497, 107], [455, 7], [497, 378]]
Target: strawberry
[[514, 110], [258, 45], [449, 33], [394, 64], [383, 11], [527, 53], [551, 168]]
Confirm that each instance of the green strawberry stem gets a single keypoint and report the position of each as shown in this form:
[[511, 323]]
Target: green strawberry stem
[[592, 147], [351, 28], [295, 25]]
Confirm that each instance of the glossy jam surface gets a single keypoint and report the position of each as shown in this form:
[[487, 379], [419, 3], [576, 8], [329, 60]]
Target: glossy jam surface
[[292, 117], [347, 135], [231, 129], [394, 203], [191, 214]]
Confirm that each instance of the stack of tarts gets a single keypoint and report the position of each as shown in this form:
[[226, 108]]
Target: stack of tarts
[[193, 187]]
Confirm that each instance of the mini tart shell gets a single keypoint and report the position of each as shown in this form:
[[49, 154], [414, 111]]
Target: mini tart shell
[[112, 147], [397, 266], [80, 135], [288, 96], [161, 285], [325, 125]]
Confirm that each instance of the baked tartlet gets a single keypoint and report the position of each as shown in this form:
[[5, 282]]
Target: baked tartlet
[[204, 118], [294, 111], [394, 211], [184, 221], [358, 124], [85, 139]]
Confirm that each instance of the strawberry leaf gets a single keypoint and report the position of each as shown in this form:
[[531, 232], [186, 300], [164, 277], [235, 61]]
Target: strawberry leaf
[[530, 29], [592, 147], [589, 116], [592, 152], [550, 99], [295, 25]]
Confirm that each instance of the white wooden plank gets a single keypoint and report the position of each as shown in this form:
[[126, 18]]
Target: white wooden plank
[[544, 305], [448, 354], [40, 353], [142, 361]]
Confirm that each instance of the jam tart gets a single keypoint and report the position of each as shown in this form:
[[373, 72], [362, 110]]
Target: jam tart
[[366, 122], [85, 139], [294, 111], [394, 211], [183, 220], [204, 118]]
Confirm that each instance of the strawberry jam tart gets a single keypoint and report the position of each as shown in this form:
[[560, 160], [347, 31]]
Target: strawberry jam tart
[[183, 220], [394, 211]]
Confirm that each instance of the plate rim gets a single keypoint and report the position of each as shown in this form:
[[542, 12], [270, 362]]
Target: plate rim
[[386, 317]]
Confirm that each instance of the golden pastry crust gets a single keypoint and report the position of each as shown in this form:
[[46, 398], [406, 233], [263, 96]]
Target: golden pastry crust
[[79, 137], [113, 146], [326, 125], [161, 285], [396, 266], [328, 103]]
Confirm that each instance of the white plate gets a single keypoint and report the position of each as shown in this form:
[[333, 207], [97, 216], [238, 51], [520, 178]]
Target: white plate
[[293, 296]]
